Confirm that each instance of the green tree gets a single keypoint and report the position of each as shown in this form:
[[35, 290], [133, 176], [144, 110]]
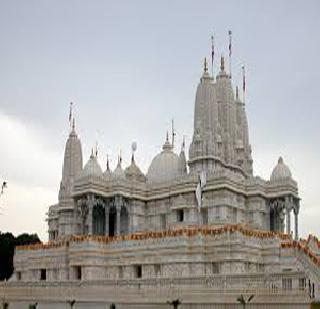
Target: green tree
[[7, 245]]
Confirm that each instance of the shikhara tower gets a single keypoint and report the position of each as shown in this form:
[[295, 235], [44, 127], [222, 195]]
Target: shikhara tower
[[123, 232], [71, 169], [221, 138]]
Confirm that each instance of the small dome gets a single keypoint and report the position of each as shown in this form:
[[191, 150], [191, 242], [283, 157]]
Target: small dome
[[281, 171], [118, 173], [92, 168], [133, 172], [165, 166]]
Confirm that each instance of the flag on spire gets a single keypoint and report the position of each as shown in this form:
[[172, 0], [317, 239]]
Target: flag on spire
[[120, 157], [243, 82], [212, 53], [230, 52], [70, 112], [230, 43], [173, 131], [108, 168]]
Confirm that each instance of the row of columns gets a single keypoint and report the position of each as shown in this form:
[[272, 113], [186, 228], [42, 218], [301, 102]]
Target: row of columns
[[92, 201], [282, 210]]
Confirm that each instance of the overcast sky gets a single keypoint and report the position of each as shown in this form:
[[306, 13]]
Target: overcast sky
[[132, 66]]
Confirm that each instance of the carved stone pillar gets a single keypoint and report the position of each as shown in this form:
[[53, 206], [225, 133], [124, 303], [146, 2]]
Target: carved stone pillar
[[89, 219], [296, 229], [288, 220], [130, 214], [106, 209], [118, 202], [118, 220]]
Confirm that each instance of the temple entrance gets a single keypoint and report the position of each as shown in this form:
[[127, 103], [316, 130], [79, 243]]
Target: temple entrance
[[98, 220], [112, 221], [124, 221], [272, 219]]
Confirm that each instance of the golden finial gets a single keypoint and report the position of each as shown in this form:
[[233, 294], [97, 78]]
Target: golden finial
[[120, 157], [222, 64], [205, 67], [108, 168]]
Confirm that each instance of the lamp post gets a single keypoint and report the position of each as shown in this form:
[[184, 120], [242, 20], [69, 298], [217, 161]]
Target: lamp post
[[175, 303], [5, 305], [243, 301], [71, 303]]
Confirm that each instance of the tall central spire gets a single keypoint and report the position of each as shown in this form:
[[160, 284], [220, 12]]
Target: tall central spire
[[72, 163], [220, 137]]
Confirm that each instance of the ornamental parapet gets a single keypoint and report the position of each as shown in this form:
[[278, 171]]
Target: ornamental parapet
[[285, 240], [188, 231], [299, 246]]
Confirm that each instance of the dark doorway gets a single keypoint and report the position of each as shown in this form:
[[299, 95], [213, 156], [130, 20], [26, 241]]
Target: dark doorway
[[43, 274], [112, 221], [98, 220], [78, 273], [138, 271], [272, 219]]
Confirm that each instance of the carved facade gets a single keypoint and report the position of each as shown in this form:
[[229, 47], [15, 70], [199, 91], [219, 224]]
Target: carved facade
[[93, 202], [101, 216]]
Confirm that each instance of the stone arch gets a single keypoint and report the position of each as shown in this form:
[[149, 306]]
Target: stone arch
[[124, 220], [98, 220], [272, 219]]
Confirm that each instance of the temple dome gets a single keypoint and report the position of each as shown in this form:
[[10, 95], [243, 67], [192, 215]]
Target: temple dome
[[165, 166], [92, 168], [281, 171]]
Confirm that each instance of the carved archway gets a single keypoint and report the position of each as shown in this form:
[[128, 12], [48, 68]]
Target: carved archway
[[272, 219], [98, 220], [112, 221], [277, 214], [124, 220]]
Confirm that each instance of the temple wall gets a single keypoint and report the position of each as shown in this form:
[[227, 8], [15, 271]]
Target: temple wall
[[159, 257], [94, 296], [104, 305]]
